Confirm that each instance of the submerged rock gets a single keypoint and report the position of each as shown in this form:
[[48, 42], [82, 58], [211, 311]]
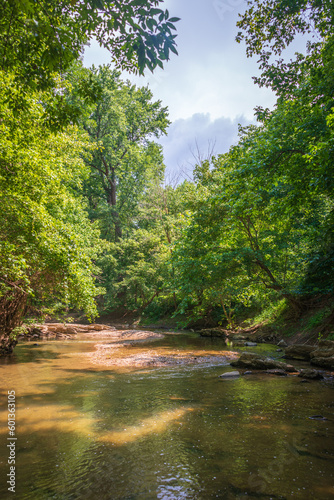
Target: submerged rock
[[310, 374], [277, 371], [254, 361], [234, 374]]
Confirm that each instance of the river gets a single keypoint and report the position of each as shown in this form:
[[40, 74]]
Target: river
[[170, 433]]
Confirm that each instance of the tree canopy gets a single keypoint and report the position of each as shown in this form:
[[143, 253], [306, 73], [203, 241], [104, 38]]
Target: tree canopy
[[41, 39]]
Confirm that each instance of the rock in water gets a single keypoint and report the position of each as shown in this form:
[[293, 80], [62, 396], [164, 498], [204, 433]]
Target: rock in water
[[213, 332], [253, 361], [227, 375], [323, 355], [299, 351], [310, 374]]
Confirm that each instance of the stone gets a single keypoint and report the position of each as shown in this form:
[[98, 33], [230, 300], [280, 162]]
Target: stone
[[254, 361], [310, 374], [56, 329], [322, 353], [99, 328], [282, 343], [213, 332], [326, 344], [250, 344], [299, 351], [279, 372], [234, 374], [324, 362]]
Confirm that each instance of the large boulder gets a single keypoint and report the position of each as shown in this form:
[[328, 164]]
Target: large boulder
[[323, 355], [253, 361], [324, 361], [299, 351], [326, 344], [60, 329]]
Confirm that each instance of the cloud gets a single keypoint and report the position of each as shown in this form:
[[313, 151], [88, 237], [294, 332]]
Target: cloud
[[198, 134]]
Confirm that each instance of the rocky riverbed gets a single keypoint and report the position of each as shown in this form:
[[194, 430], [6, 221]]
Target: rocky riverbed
[[120, 355], [123, 348]]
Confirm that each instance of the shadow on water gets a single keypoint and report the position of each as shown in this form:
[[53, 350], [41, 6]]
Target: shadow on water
[[176, 433]]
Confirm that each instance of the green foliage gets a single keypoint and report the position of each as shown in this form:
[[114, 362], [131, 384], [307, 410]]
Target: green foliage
[[133, 272], [271, 313], [264, 224], [82, 199], [46, 241], [317, 318], [268, 27], [125, 160], [39, 40]]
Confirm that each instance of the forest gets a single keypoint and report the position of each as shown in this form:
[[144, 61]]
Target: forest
[[89, 224]]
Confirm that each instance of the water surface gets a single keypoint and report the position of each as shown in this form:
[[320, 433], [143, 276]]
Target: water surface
[[85, 432]]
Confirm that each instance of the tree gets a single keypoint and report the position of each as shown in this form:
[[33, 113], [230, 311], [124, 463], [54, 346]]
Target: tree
[[269, 26], [47, 242], [125, 159], [41, 39]]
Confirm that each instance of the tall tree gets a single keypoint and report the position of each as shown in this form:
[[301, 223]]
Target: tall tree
[[47, 242], [121, 125]]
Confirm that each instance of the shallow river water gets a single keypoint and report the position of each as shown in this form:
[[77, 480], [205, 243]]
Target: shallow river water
[[87, 432]]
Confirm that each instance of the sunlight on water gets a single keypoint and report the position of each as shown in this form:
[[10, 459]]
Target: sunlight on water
[[169, 433], [152, 425]]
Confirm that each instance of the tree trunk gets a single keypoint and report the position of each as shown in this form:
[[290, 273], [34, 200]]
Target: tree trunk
[[112, 200], [12, 308]]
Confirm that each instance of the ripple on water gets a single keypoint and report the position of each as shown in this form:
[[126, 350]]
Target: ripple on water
[[169, 432]]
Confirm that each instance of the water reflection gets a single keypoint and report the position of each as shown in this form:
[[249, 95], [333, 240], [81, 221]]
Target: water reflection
[[167, 433]]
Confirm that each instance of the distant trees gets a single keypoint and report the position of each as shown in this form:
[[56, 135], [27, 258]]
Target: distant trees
[[125, 160]]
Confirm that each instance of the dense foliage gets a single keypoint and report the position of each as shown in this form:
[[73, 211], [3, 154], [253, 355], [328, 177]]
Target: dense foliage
[[86, 213], [46, 239], [48, 245]]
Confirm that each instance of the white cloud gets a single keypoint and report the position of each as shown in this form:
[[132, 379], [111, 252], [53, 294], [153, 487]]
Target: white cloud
[[198, 134]]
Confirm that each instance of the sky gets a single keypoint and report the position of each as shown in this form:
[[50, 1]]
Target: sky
[[208, 88]]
